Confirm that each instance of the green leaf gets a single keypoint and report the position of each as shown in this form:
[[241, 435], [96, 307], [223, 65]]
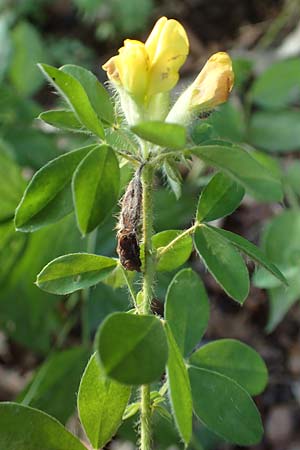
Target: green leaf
[[270, 163], [116, 278], [219, 198], [243, 70], [12, 246], [251, 250], [276, 131], [75, 271], [223, 261], [76, 97], [179, 389], [32, 318], [281, 239], [101, 404], [131, 410], [95, 199], [281, 243], [169, 257], [97, 94], [11, 185], [225, 407], [28, 49], [187, 309], [278, 86], [24, 428], [54, 386], [6, 47], [201, 131], [292, 176], [132, 16], [228, 122], [61, 118], [264, 279], [174, 178], [48, 195], [161, 133], [239, 165], [278, 308], [132, 349], [236, 360]]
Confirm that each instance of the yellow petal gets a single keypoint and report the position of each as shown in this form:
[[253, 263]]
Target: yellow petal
[[214, 83], [152, 41], [171, 51], [111, 68], [130, 68]]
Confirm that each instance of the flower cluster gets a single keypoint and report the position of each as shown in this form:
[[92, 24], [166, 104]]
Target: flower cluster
[[147, 72]]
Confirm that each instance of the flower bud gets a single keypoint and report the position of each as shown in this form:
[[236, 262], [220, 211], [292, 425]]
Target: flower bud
[[214, 83], [211, 88]]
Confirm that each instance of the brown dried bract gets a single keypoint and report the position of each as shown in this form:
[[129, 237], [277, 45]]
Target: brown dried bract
[[128, 250], [130, 220]]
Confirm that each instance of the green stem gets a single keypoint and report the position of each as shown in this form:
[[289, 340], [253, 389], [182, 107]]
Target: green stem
[[147, 180], [169, 154], [135, 161], [178, 238], [85, 326], [130, 287], [148, 279]]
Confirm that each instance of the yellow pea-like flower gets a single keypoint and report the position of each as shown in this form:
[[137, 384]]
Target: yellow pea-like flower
[[214, 83], [144, 70], [211, 88]]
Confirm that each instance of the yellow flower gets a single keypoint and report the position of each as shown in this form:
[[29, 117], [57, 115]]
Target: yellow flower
[[211, 88], [214, 83], [144, 70]]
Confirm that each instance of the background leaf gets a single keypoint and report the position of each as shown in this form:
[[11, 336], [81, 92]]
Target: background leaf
[[278, 86], [281, 243], [187, 309], [28, 50], [277, 131], [11, 185], [132, 349], [101, 404], [54, 386], [12, 246], [239, 164], [34, 312]]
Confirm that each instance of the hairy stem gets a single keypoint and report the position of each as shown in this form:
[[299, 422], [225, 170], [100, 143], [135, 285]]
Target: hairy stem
[[147, 182], [178, 238], [130, 288]]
